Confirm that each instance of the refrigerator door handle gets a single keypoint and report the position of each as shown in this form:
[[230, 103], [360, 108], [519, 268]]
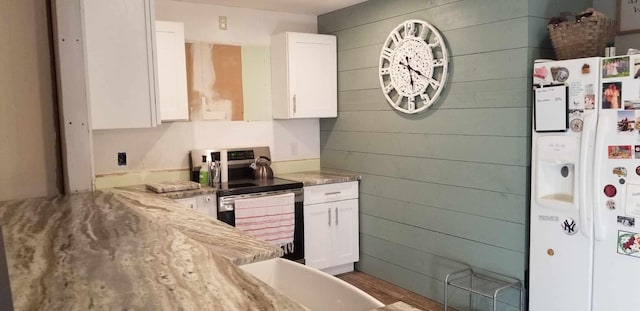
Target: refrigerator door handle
[[586, 202], [602, 132]]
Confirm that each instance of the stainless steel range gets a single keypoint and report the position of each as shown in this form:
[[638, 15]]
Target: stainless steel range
[[241, 184]]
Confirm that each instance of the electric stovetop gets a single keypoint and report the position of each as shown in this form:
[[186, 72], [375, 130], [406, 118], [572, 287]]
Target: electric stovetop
[[246, 186]]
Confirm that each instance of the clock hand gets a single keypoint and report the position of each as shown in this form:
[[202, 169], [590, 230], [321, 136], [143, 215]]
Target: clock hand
[[431, 81], [434, 83], [409, 70], [417, 71], [411, 79], [408, 66]]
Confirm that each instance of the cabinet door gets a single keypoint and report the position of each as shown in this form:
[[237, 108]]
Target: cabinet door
[[317, 235], [312, 75], [345, 243], [172, 71], [207, 205], [119, 42], [188, 202]]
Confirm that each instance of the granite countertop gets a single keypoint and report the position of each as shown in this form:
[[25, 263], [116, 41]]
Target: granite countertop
[[180, 194], [398, 306], [130, 250], [322, 177]]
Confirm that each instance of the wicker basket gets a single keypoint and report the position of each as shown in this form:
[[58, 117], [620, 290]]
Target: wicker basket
[[586, 38]]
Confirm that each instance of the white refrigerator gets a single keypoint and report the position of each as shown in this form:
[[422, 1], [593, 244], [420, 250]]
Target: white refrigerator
[[585, 185]]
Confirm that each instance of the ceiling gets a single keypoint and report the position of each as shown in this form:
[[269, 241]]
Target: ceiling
[[309, 7]]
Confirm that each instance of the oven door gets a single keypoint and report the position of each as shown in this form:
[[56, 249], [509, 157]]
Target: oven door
[[226, 213]]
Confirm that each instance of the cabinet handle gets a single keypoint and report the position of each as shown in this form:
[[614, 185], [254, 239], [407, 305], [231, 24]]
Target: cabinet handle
[[332, 193], [294, 103], [329, 209], [336, 216]]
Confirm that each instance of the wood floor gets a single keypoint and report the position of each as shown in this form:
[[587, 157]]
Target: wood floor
[[388, 293]]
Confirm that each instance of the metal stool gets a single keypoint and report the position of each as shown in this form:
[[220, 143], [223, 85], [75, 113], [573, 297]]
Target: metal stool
[[482, 285]]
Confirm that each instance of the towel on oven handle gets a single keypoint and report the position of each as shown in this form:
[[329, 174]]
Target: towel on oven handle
[[268, 218]]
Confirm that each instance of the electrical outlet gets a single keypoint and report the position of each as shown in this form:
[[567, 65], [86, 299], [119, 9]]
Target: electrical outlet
[[122, 159], [294, 149], [222, 22]]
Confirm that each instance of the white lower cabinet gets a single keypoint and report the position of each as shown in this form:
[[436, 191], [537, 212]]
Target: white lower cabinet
[[205, 204], [331, 227], [317, 236], [346, 247], [188, 202]]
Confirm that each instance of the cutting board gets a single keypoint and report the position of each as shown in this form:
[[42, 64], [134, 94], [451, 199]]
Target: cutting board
[[172, 186]]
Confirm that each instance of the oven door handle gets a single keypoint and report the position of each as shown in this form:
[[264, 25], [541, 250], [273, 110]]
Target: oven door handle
[[227, 203]]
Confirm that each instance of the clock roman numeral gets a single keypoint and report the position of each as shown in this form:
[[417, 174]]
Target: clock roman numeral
[[396, 37], [409, 29], [384, 71], [424, 32], [434, 83], [437, 63], [436, 42], [387, 53], [425, 97], [388, 88], [399, 100]]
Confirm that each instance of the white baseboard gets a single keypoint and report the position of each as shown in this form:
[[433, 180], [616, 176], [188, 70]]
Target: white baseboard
[[339, 269]]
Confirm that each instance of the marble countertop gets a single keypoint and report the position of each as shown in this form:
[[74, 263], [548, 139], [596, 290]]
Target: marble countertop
[[182, 193], [321, 177], [398, 306], [127, 249]]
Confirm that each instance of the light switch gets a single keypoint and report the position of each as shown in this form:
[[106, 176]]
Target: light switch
[[222, 22]]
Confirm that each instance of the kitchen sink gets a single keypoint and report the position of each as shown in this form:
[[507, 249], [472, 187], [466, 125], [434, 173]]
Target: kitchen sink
[[312, 288]]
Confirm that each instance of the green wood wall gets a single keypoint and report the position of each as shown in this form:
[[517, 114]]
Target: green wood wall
[[449, 186]]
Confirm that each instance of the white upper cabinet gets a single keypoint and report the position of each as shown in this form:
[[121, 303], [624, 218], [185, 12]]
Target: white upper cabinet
[[304, 76], [121, 73], [172, 71]]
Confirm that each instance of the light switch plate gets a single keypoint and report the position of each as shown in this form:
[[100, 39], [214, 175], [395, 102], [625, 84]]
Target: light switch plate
[[222, 22]]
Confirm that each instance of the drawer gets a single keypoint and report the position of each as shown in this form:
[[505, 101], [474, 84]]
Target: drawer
[[330, 192], [191, 203]]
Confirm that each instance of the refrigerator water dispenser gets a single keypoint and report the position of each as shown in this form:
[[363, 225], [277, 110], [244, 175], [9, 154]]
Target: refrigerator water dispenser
[[556, 163]]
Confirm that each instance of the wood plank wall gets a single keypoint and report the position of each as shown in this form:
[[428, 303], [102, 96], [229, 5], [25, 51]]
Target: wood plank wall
[[449, 186]]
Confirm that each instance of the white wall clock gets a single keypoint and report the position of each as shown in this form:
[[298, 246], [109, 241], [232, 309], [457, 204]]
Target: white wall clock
[[413, 66]]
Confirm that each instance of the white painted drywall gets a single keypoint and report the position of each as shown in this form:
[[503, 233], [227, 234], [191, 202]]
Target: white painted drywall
[[166, 147], [29, 149], [244, 26], [623, 42], [296, 139]]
